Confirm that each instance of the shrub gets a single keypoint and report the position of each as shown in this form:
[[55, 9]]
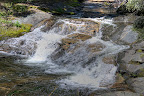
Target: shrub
[[135, 5]]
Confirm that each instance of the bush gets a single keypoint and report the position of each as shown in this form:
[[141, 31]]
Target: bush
[[20, 8], [135, 5], [139, 26]]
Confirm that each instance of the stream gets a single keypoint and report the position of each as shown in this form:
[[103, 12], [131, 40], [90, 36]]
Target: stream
[[69, 59]]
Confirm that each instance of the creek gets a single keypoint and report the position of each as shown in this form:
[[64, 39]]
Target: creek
[[68, 59]]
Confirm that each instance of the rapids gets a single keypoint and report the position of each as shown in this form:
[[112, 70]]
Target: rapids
[[81, 67]]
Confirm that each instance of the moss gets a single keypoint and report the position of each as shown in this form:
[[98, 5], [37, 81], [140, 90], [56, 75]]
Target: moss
[[71, 13], [139, 50], [14, 31], [142, 55], [134, 62], [140, 73]]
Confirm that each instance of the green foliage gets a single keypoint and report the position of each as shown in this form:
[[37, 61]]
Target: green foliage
[[17, 24], [71, 13], [14, 31], [139, 26], [20, 8], [135, 5]]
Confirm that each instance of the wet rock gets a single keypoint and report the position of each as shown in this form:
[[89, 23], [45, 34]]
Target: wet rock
[[110, 59], [48, 24], [128, 35], [137, 84], [72, 39], [82, 37], [96, 47], [119, 78], [83, 26], [120, 93]]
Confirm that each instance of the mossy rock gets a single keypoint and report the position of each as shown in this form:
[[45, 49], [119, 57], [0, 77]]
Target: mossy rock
[[140, 73]]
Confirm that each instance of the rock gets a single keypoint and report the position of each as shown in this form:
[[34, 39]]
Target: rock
[[48, 24], [137, 84], [127, 19], [139, 22], [119, 83], [120, 93], [96, 47], [110, 59], [83, 26], [72, 39], [135, 55], [128, 35], [66, 43], [133, 68], [82, 37], [34, 18], [140, 72]]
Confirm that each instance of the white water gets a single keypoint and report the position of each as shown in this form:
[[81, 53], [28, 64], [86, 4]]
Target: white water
[[45, 47], [95, 74]]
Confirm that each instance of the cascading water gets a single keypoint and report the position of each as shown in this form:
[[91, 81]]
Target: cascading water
[[82, 58]]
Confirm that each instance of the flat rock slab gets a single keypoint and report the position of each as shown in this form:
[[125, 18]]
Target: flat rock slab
[[128, 35]]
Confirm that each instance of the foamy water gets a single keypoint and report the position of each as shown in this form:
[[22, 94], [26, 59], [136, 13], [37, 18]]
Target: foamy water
[[95, 74]]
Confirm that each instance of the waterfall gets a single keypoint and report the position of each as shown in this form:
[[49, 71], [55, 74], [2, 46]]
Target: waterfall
[[81, 57]]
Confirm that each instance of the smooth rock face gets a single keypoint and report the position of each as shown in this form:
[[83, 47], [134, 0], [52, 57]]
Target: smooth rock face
[[120, 93], [128, 35], [137, 84]]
